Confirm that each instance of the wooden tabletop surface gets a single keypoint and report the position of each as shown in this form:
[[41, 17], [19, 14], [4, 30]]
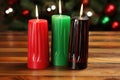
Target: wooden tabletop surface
[[103, 61]]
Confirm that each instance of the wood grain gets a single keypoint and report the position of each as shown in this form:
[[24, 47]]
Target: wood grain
[[56, 78], [103, 61], [94, 69]]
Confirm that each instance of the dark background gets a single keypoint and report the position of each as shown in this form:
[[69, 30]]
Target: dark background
[[106, 13]]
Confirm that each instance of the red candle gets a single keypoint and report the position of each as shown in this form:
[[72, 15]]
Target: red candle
[[38, 47]]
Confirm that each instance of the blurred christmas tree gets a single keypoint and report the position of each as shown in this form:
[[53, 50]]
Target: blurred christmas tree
[[103, 14], [106, 14], [17, 12]]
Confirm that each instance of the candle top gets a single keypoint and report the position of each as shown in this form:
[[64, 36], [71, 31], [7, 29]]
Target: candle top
[[60, 16], [37, 20], [80, 18]]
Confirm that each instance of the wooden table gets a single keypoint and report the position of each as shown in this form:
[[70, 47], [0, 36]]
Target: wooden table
[[103, 62]]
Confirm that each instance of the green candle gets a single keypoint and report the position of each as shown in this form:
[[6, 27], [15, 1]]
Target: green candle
[[60, 39]]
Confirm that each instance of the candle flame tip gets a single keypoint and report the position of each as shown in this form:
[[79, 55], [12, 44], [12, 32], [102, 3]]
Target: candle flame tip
[[60, 7], [81, 10], [36, 11]]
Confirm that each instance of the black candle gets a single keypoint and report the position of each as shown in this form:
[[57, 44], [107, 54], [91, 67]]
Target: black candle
[[78, 43]]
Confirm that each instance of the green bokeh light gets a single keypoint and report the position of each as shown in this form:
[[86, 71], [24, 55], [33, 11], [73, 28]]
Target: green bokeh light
[[105, 20]]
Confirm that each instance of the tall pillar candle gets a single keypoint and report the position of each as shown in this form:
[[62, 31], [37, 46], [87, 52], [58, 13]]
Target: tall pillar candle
[[38, 49], [60, 39], [78, 45]]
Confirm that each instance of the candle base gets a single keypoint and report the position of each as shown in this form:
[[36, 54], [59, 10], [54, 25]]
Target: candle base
[[77, 65], [37, 66]]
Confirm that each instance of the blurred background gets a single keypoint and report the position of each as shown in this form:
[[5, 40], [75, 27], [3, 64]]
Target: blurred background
[[104, 14]]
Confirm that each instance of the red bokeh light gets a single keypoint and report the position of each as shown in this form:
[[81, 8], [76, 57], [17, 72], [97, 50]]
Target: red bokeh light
[[110, 9], [11, 2], [115, 24], [85, 1], [25, 12]]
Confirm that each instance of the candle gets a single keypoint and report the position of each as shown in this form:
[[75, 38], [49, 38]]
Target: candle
[[60, 38], [38, 57], [78, 43]]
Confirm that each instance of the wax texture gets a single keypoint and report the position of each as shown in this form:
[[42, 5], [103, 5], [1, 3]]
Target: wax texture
[[60, 39], [38, 47], [78, 43]]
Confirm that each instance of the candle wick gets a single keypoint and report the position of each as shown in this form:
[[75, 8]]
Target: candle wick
[[60, 7], [81, 11], [36, 12]]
